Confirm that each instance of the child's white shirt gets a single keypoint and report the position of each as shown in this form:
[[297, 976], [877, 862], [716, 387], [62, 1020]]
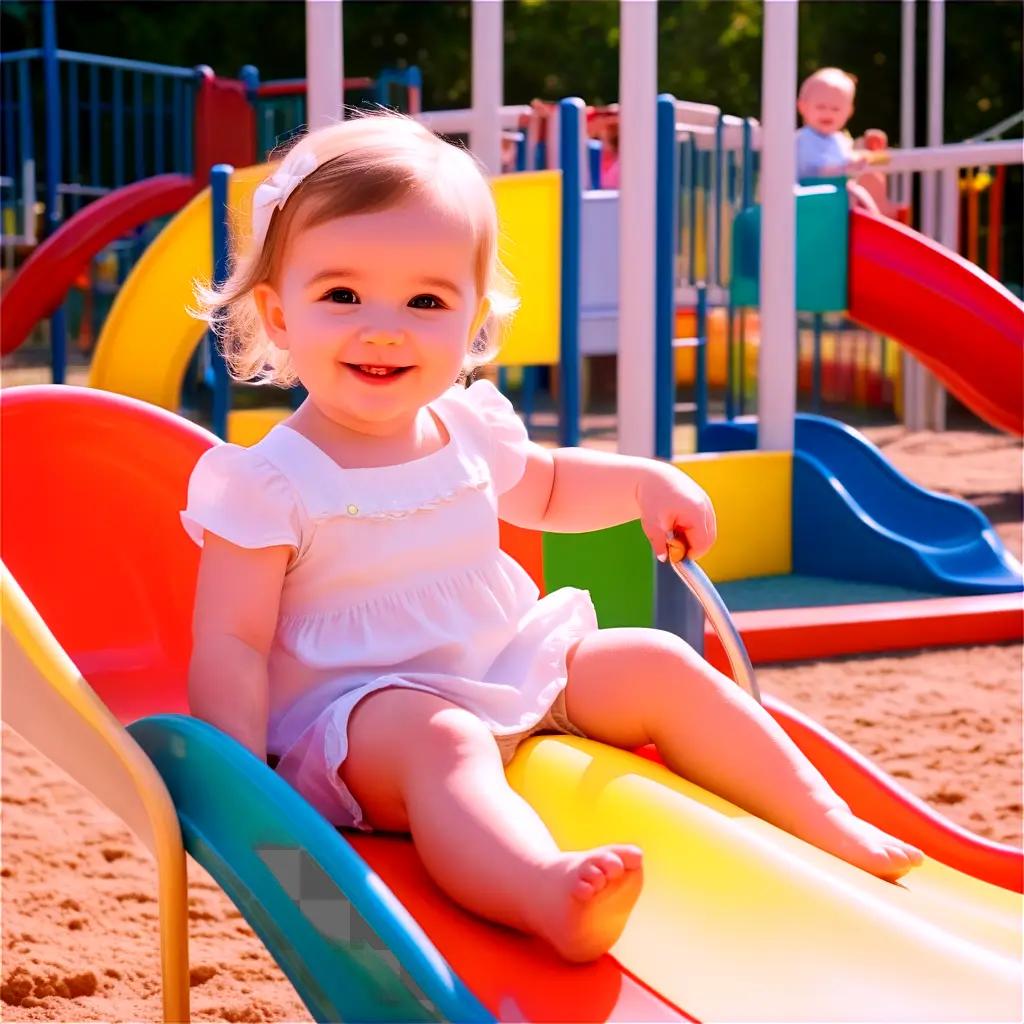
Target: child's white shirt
[[397, 580]]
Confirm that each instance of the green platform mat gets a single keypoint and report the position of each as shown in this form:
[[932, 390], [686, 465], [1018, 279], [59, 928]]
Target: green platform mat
[[793, 591]]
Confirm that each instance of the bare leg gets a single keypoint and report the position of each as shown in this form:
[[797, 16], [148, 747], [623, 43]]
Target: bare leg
[[419, 764], [628, 687]]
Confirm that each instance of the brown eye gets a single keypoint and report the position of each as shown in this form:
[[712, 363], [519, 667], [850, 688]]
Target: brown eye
[[426, 302], [343, 296]]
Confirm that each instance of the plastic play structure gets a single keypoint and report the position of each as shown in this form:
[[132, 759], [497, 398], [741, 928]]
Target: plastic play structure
[[738, 920], [98, 633]]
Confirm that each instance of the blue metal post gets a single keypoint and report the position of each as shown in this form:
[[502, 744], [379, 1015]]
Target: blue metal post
[[74, 168], [220, 177], [570, 112], [700, 375], [51, 77], [594, 159], [119, 133], [666, 215], [715, 270], [94, 126]]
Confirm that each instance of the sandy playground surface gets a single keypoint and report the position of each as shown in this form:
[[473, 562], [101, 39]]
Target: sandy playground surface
[[79, 912]]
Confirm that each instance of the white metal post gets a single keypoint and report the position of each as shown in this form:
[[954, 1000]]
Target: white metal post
[[908, 93], [776, 371], [325, 68], [638, 98], [488, 82]]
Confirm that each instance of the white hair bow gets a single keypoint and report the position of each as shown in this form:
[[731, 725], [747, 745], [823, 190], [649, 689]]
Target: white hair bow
[[274, 192]]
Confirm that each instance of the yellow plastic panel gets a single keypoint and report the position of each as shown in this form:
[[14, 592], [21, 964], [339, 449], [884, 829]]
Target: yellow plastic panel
[[530, 218], [752, 495], [739, 921], [47, 701], [149, 336], [247, 426]]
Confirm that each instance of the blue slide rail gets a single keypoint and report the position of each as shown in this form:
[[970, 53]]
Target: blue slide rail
[[856, 517]]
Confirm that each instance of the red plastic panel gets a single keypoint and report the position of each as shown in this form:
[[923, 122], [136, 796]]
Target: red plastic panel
[[92, 485], [960, 323], [41, 284]]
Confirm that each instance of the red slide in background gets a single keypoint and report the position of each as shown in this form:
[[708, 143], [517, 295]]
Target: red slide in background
[[963, 325], [40, 285]]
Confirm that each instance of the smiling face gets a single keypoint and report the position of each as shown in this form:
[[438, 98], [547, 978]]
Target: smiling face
[[377, 311], [826, 105]]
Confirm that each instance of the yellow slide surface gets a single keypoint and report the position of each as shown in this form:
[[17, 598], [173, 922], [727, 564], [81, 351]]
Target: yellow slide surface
[[149, 336], [739, 921]]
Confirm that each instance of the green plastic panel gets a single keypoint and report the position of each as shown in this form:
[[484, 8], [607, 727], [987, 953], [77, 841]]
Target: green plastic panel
[[615, 565], [822, 249]]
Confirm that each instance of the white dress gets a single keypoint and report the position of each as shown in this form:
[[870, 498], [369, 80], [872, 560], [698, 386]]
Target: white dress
[[397, 580]]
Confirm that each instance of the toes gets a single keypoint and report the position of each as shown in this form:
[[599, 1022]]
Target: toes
[[595, 874], [610, 864], [631, 856]]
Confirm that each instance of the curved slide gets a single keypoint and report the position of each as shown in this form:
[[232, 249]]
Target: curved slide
[[149, 336], [857, 517], [963, 325], [40, 286], [738, 920]]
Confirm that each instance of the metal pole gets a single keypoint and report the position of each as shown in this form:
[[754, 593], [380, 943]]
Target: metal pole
[[325, 65], [638, 92], [908, 93], [488, 82], [571, 116], [934, 396], [776, 393]]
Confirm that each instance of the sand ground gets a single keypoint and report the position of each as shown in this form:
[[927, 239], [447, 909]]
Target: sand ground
[[79, 911]]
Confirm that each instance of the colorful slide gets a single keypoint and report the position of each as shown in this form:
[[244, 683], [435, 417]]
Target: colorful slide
[[856, 517], [958, 321], [40, 286], [149, 336], [738, 921]]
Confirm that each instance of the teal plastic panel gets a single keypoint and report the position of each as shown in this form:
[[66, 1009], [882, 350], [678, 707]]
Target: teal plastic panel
[[351, 950], [615, 565], [822, 249]]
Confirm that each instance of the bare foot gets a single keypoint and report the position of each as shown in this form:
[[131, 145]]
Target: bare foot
[[585, 899], [842, 833]]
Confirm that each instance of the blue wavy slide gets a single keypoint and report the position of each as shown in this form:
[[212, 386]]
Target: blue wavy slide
[[856, 517]]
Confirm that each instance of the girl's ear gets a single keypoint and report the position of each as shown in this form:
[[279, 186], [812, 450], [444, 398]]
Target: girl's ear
[[482, 313], [268, 305]]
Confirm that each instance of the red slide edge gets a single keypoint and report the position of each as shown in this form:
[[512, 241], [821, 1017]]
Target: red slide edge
[[40, 285], [962, 324]]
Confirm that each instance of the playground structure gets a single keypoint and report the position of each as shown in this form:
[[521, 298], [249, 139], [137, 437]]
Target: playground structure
[[355, 925], [948, 940]]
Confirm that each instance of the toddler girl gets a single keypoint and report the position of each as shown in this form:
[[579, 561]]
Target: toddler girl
[[355, 617]]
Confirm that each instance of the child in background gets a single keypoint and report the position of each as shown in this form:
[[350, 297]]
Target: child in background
[[825, 150], [355, 617]]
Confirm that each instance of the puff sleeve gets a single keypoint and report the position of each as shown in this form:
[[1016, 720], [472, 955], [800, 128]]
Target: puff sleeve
[[507, 437], [237, 494]]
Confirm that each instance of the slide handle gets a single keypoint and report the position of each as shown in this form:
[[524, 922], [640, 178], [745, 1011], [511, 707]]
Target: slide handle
[[718, 615]]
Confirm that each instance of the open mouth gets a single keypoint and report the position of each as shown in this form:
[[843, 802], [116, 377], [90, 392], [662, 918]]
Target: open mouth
[[377, 374]]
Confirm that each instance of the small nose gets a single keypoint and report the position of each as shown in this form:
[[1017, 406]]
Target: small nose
[[380, 336]]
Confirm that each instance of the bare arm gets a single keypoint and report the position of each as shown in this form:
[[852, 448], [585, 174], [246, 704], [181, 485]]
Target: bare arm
[[238, 595], [574, 490]]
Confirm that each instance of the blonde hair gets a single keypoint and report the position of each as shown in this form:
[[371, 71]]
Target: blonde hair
[[367, 163], [829, 76]]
